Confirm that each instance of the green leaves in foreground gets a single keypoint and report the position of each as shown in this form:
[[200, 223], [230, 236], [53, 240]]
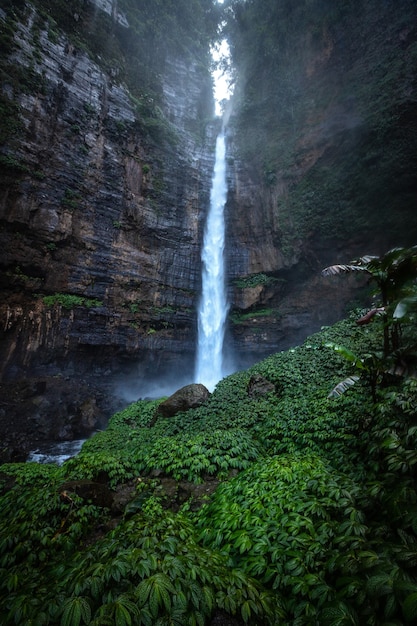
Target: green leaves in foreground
[[295, 524], [184, 456], [76, 610], [317, 525], [149, 570]]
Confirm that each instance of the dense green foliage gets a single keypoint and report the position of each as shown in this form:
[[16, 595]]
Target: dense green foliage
[[313, 522]]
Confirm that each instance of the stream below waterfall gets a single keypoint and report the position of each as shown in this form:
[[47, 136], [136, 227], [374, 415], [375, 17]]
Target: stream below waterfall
[[56, 452]]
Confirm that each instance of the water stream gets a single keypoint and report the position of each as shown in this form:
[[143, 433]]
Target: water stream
[[213, 307], [56, 452]]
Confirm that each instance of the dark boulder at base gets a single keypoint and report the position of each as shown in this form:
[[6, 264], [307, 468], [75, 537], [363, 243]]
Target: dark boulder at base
[[188, 397], [259, 386], [90, 491]]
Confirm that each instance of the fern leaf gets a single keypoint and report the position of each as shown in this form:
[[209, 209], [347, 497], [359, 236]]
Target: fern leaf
[[179, 602], [154, 601], [343, 386], [208, 599], [334, 270], [196, 594], [142, 591], [246, 611], [339, 615], [380, 584], [76, 609], [122, 615], [166, 598]]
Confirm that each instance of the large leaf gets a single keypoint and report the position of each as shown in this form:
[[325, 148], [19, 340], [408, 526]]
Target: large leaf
[[343, 386], [347, 354], [75, 610], [410, 607], [334, 270], [368, 317], [405, 306]]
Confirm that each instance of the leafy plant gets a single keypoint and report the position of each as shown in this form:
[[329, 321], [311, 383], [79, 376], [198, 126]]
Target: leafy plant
[[254, 280], [395, 274], [69, 301], [313, 521], [237, 317]]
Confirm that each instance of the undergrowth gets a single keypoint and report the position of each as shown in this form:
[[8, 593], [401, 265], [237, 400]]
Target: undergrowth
[[313, 522]]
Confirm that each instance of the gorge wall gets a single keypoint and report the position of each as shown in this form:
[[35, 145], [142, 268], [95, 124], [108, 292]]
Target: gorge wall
[[104, 192], [324, 155], [107, 147]]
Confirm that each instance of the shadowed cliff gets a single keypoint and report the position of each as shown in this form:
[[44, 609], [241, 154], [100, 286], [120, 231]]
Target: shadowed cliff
[[106, 160], [323, 154]]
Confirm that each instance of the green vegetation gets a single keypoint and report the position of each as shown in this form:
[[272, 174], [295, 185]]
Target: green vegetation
[[71, 199], [238, 317], [69, 301], [313, 506], [254, 280], [394, 274], [13, 164], [313, 522]]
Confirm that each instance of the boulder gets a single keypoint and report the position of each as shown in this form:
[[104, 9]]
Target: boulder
[[89, 490], [259, 386], [188, 397]]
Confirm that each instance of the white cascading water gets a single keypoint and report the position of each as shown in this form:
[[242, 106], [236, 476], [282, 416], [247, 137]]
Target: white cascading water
[[213, 305]]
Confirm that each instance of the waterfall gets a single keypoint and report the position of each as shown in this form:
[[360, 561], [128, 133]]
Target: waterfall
[[213, 307]]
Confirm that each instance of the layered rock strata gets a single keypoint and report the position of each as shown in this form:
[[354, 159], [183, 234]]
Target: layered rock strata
[[101, 224]]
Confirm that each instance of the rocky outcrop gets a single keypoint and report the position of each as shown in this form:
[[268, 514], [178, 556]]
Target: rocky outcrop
[[184, 399], [259, 386]]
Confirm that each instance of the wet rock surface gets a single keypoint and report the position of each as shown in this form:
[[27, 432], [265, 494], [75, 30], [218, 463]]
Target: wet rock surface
[[259, 386], [188, 397], [91, 206], [44, 410]]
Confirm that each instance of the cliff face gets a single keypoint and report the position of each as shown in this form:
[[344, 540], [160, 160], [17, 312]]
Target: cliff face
[[107, 146], [322, 155], [101, 214]]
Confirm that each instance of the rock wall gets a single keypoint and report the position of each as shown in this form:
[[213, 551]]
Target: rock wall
[[322, 159], [104, 218]]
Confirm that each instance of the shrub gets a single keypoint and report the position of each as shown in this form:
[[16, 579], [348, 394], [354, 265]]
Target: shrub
[[69, 301]]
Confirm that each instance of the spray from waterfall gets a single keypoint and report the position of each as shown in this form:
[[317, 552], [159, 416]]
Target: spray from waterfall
[[213, 307]]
